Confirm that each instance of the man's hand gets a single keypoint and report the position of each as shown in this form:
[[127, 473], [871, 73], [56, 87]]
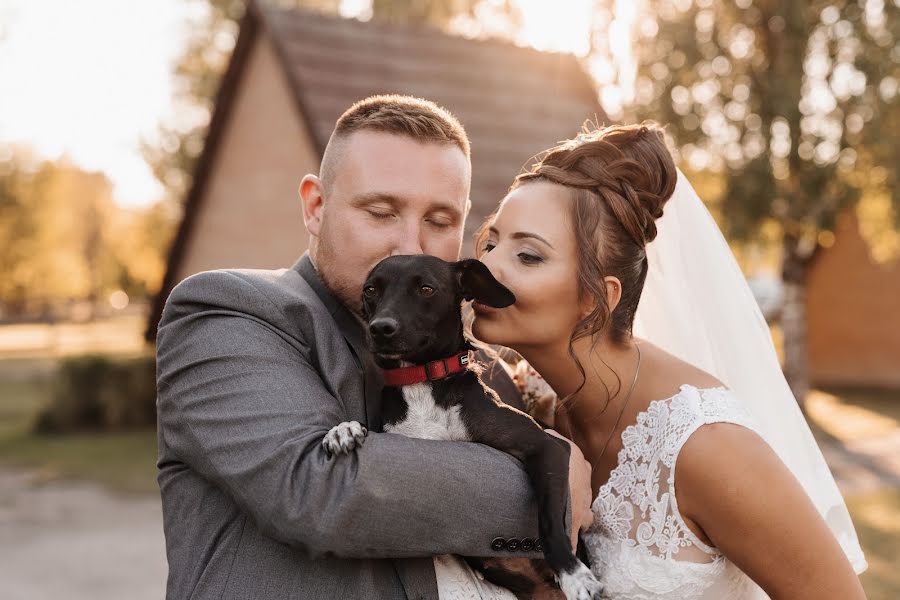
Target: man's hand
[[579, 489]]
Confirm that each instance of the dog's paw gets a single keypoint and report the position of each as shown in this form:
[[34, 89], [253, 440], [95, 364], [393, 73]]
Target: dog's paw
[[344, 438], [580, 584]]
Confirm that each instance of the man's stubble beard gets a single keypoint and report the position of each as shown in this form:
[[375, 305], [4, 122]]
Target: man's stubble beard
[[327, 255]]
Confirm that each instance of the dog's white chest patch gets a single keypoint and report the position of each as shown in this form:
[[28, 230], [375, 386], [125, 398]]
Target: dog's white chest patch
[[425, 419]]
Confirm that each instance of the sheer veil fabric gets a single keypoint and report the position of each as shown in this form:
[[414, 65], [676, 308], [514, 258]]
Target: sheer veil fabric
[[696, 304]]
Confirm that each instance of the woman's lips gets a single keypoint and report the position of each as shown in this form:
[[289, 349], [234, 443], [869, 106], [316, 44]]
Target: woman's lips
[[483, 309]]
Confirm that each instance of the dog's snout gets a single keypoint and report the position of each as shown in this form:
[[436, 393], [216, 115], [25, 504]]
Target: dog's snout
[[384, 327]]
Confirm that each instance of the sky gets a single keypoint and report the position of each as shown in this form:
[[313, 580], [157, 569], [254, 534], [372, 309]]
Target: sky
[[90, 79]]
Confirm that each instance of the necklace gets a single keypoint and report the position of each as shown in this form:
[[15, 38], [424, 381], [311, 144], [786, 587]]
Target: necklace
[[637, 370]]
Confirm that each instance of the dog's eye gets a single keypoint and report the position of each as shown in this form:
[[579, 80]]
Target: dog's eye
[[369, 291], [426, 290]]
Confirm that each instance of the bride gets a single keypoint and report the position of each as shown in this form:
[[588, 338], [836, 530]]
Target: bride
[[706, 480]]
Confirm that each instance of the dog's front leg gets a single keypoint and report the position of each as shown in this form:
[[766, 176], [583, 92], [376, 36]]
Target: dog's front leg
[[547, 469], [546, 461]]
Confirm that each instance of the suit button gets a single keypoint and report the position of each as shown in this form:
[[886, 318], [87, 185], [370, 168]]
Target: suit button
[[527, 545], [538, 546], [513, 544], [498, 544]]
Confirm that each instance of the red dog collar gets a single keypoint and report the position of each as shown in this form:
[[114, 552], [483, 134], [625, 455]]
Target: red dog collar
[[436, 369]]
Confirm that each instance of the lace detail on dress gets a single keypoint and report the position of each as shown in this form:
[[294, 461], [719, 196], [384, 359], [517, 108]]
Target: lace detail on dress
[[639, 544]]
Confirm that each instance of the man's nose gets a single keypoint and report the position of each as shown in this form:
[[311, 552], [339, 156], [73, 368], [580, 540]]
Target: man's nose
[[409, 240]]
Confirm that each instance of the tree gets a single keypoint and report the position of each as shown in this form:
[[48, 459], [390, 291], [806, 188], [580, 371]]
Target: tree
[[139, 241], [55, 228], [200, 69], [793, 102]]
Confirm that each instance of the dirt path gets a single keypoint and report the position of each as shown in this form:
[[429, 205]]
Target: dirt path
[[77, 541]]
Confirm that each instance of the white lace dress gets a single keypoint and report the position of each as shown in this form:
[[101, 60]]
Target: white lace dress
[[639, 544]]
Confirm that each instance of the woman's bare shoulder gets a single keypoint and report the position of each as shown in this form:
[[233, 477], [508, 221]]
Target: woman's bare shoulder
[[669, 371]]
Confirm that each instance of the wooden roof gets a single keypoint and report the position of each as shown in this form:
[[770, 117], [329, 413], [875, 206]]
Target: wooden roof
[[512, 101]]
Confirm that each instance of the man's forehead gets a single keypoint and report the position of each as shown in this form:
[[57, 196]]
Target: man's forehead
[[386, 151], [401, 169]]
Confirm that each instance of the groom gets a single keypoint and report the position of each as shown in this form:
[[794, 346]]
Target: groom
[[254, 368]]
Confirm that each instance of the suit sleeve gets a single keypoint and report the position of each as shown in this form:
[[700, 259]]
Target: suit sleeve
[[239, 402]]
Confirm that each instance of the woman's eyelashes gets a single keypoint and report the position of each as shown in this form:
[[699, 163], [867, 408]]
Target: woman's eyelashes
[[525, 257], [529, 258]]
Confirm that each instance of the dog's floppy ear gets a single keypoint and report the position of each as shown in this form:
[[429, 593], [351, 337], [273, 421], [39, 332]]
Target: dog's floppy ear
[[477, 283]]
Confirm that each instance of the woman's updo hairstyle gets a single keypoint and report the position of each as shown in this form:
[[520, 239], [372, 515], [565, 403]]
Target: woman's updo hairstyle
[[621, 177]]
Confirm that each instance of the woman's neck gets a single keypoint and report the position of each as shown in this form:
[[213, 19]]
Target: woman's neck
[[609, 371]]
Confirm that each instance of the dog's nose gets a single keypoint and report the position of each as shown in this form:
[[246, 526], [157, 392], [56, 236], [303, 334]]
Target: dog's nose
[[383, 327]]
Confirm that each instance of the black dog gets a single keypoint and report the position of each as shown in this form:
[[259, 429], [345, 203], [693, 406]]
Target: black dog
[[413, 308]]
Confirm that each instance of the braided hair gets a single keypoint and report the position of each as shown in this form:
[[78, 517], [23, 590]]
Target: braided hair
[[620, 178]]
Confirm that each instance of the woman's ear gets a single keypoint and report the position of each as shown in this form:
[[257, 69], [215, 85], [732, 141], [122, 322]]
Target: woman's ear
[[613, 292], [312, 197]]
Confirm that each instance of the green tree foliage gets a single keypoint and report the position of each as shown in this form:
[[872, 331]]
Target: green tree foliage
[[197, 77], [793, 102], [200, 69], [64, 238], [55, 219]]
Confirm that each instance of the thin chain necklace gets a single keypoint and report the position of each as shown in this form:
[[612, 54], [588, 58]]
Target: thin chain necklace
[[637, 370]]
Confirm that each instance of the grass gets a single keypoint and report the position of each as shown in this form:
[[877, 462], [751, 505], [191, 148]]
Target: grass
[[126, 461], [120, 461]]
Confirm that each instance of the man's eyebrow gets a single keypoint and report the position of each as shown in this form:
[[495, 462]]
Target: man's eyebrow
[[370, 197], [523, 235]]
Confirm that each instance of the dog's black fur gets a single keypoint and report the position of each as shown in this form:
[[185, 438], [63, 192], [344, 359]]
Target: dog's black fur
[[413, 308]]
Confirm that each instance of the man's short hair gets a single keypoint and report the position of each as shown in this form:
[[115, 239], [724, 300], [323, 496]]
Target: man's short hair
[[415, 118]]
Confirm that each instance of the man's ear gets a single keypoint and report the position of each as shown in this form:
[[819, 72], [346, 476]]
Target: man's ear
[[477, 283], [312, 197]]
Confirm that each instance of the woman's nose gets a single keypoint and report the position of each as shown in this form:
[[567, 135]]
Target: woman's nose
[[490, 260]]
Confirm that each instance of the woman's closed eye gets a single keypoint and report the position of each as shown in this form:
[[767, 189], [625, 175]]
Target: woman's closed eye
[[529, 258]]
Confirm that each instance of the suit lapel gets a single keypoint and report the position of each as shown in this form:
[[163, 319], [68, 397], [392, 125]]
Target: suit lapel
[[416, 574], [351, 329]]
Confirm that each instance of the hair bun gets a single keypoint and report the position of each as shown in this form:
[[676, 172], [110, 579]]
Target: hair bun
[[628, 165]]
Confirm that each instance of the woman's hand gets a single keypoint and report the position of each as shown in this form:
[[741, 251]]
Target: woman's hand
[[731, 485]]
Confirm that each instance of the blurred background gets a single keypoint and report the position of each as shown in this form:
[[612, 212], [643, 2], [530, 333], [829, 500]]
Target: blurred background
[[141, 142]]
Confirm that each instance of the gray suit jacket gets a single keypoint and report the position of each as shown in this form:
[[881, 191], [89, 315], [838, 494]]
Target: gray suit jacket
[[253, 368]]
